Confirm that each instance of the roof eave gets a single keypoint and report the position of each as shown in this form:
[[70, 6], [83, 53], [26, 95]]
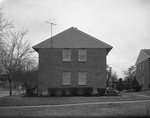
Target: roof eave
[[36, 49], [108, 49]]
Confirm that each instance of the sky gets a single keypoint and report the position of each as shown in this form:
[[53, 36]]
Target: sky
[[123, 24]]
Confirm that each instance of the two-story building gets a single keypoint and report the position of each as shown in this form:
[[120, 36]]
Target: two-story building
[[143, 68], [72, 58]]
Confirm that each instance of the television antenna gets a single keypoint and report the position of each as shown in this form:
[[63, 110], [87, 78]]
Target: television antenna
[[51, 25]]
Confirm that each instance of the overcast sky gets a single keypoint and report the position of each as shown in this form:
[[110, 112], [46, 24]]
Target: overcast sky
[[124, 24]]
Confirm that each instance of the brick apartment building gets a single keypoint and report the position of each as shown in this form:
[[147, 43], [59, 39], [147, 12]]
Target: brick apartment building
[[143, 68], [72, 58]]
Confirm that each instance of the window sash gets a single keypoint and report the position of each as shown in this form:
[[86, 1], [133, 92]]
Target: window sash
[[82, 78], [66, 78], [143, 65], [82, 54], [66, 54], [142, 80], [139, 66]]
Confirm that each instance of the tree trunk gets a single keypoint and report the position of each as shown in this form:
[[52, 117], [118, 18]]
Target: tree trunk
[[10, 87]]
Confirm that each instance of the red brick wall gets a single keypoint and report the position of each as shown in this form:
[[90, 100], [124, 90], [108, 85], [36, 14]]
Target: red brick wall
[[51, 67], [145, 73]]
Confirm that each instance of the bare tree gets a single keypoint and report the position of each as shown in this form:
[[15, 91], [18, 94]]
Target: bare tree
[[129, 73], [114, 76], [28, 72], [4, 25], [15, 51]]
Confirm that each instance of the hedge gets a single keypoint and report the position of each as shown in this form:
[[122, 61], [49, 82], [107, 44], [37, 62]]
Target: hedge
[[101, 91], [137, 88], [70, 91]]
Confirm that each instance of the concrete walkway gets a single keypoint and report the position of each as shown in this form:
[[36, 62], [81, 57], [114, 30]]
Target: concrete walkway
[[139, 95]]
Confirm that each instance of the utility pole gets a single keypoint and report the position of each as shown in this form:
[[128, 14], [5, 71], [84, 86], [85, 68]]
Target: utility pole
[[51, 24]]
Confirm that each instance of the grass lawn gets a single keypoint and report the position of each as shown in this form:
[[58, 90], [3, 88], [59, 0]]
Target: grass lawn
[[108, 110], [30, 101], [94, 110]]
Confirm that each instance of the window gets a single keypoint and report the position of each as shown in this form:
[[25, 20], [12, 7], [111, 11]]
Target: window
[[143, 65], [66, 54], [82, 54], [139, 80], [140, 66], [142, 80], [66, 78], [82, 78]]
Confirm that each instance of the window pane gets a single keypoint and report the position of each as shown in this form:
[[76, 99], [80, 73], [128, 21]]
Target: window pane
[[82, 55], [142, 81], [81, 78], [66, 78], [142, 65], [139, 80], [66, 54]]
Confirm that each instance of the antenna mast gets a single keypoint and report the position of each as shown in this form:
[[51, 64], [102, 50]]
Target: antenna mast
[[51, 31]]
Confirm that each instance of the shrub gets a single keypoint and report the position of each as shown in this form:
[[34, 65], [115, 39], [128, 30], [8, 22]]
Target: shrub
[[67, 92], [101, 91], [135, 82], [137, 88], [120, 85], [88, 91], [29, 91], [112, 92], [70, 91], [51, 91], [80, 91], [73, 91], [32, 90], [59, 92], [128, 86]]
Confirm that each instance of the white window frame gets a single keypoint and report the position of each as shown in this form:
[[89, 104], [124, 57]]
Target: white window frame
[[64, 54], [66, 79], [82, 78], [82, 52]]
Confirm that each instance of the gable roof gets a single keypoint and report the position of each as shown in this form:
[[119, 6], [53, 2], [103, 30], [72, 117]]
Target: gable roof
[[147, 51], [72, 38], [144, 54]]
